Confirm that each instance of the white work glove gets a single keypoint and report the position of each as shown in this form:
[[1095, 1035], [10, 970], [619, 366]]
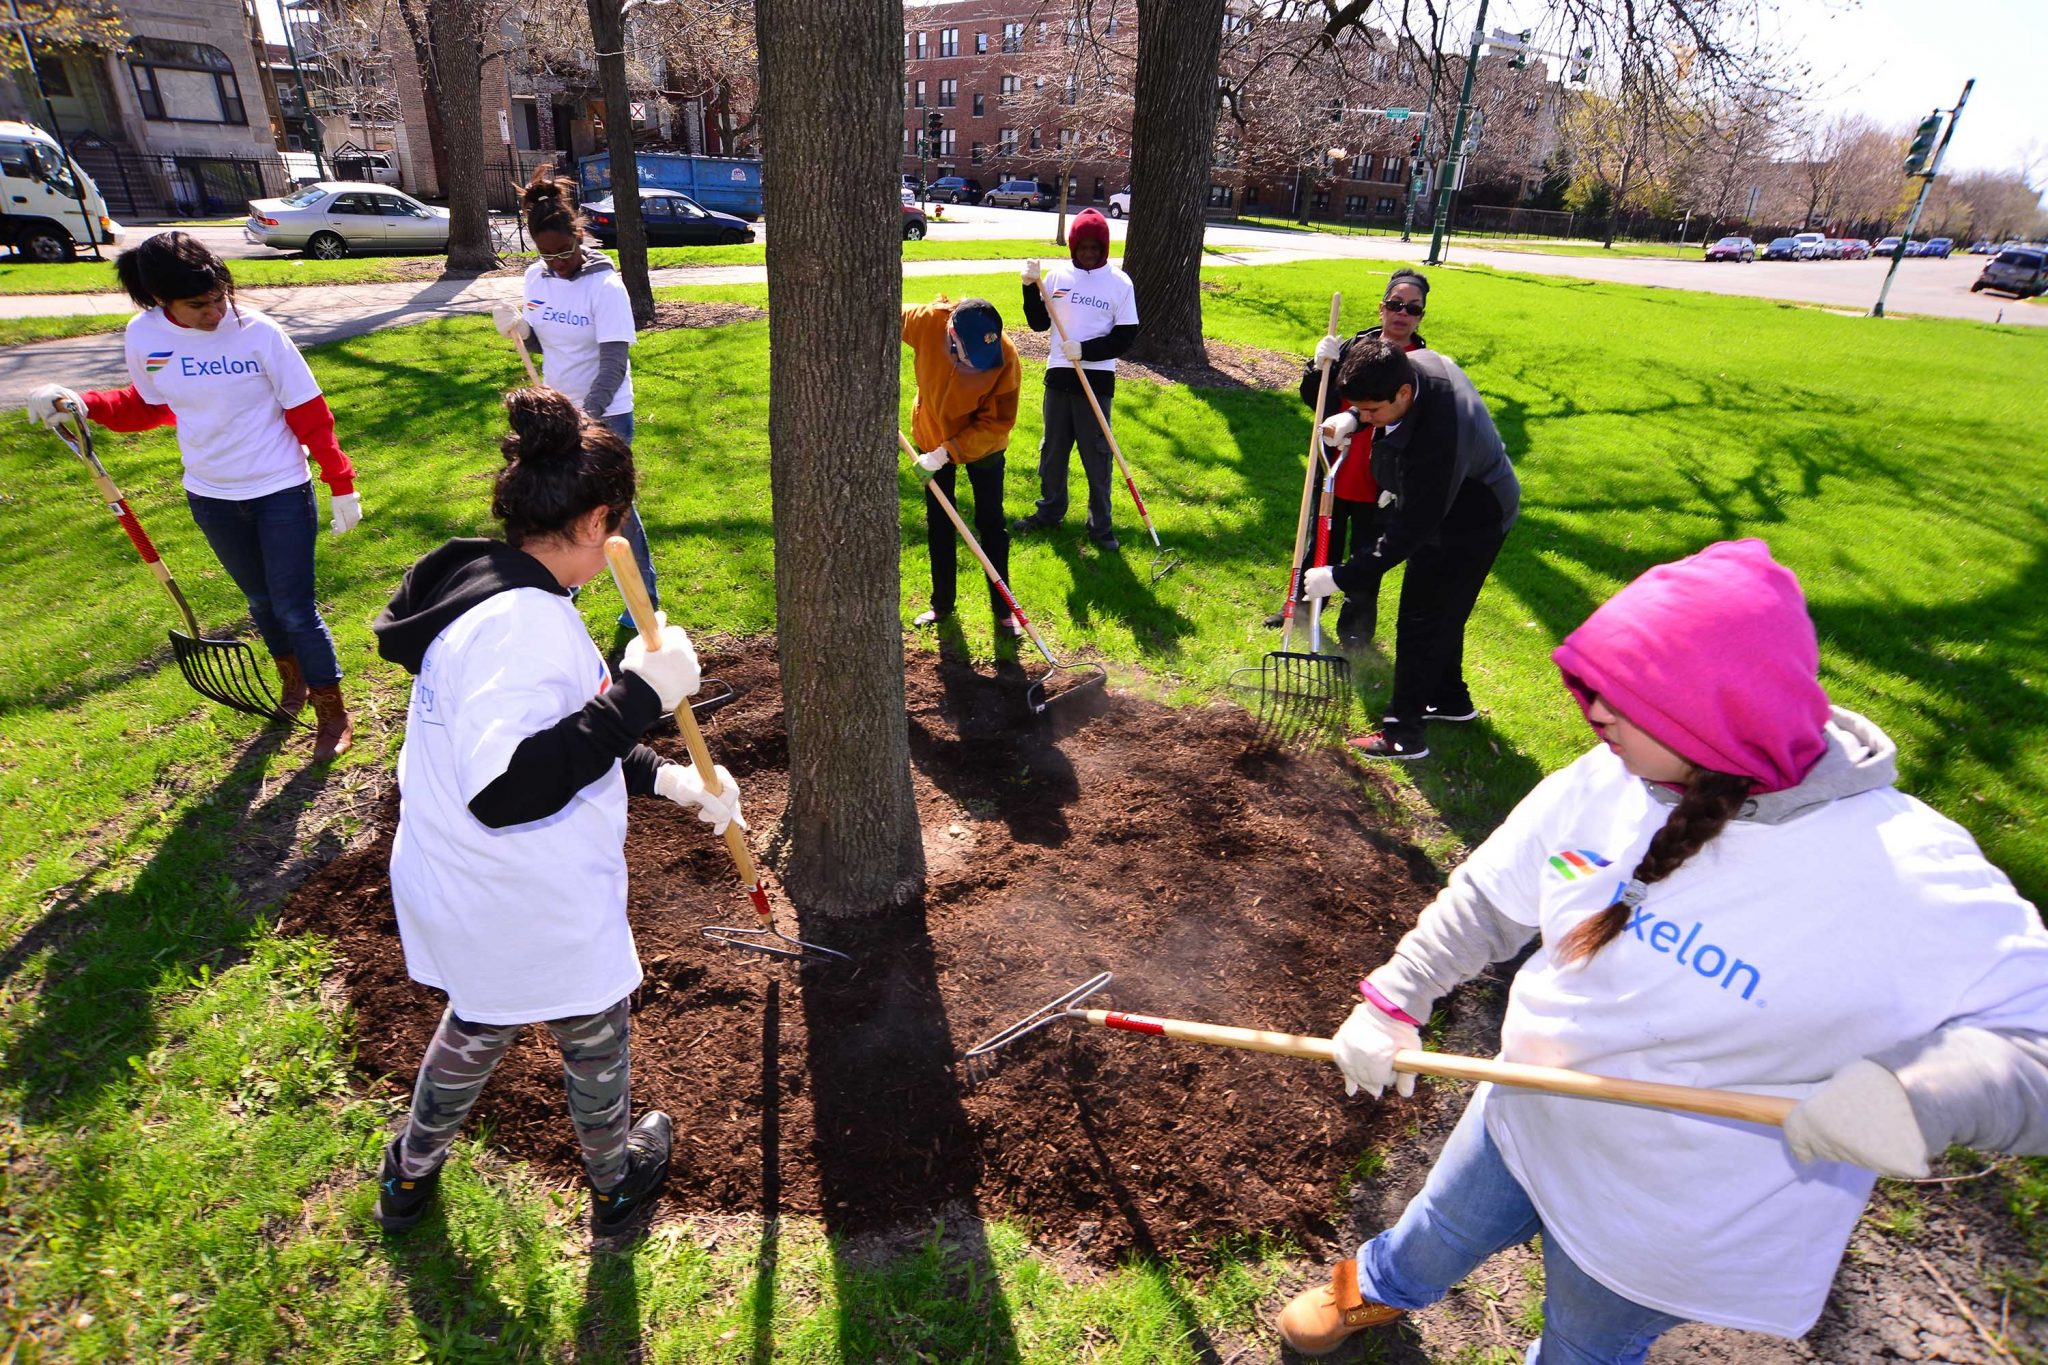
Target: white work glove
[[346, 510], [509, 321], [1326, 350], [1071, 349], [1320, 581], [671, 670], [679, 783], [46, 404], [1339, 428], [1032, 272], [1386, 497], [932, 461], [1365, 1051], [1860, 1116]]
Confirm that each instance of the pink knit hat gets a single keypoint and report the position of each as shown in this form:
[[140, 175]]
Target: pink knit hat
[[1714, 657]]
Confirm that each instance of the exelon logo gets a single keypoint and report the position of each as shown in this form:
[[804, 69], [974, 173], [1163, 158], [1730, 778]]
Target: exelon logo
[[1711, 961], [193, 368]]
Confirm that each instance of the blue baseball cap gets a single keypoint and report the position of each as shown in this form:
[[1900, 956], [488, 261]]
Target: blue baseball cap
[[978, 333]]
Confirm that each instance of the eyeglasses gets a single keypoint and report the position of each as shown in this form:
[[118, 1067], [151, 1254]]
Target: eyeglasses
[[1413, 310], [570, 254]]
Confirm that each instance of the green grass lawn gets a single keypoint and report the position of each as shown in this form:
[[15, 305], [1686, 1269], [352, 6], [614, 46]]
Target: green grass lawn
[[16, 331], [186, 1149]]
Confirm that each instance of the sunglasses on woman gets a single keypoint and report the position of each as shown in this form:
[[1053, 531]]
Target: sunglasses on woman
[[1413, 310]]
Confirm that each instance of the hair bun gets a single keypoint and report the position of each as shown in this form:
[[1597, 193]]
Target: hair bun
[[546, 426]]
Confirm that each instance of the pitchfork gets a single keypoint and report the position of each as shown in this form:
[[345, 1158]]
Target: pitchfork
[[1728, 1104], [765, 938], [1091, 675], [225, 671]]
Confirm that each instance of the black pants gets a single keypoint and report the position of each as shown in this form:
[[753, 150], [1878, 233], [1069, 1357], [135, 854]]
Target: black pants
[[1437, 596], [1355, 526], [985, 476], [1068, 422]]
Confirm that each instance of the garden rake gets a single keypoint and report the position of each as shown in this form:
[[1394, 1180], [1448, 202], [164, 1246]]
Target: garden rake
[[224, 671], [1091, 676], [1164, 561], [526, 359], [765, 937], [1769, 1110]]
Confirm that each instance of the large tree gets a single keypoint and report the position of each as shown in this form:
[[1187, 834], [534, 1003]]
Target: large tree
[[608, 33], [450, 40], [830, 115], [1173, 132]]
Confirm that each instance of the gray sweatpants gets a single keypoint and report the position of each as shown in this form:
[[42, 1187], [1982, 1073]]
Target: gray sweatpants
[[1067, 421], [595, 1068]]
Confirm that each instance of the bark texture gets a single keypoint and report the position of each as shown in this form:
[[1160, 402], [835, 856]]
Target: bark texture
[[453, 31], [1173, 130], [608, 35]]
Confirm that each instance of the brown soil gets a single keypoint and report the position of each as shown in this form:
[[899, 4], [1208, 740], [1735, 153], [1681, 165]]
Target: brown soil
[[1229, 366], [1218, 879], [670, 313]]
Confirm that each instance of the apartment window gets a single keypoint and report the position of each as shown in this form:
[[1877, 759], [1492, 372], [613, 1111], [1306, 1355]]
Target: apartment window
[[949, 42], [184, 82], [1006, 142], [1073, 188], [1219, 196], [920, 47], [1072, 93], [1386, 208], [1354, 205], [980, 107], [1009, 89], [906, 142], [1365, 166], [919, 99], [974, 154], [949, 94], [1320, 201], [1041, 31], [1251, 196], [54, 79], [1072, 34], [1069, 139], [906, 45], [906, 95], [947, 146], [1098, 189], [1013, 37], [980, 44], [1034, 139], [1393, 175], [1529, 106], [1109, 29]]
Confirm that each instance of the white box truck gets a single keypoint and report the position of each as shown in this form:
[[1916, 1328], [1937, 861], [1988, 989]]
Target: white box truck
[[40, 192]]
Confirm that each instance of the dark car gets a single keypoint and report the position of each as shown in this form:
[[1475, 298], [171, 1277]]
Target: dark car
[[1782, 249], [956, 189], [1732, 249], [2019, 271], [1938, 246], [672, 220], [913, 222], [1020, 194]]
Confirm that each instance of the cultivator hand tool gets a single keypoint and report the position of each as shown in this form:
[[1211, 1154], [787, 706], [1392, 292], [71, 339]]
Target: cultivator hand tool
[[1553, 1080], [764, 938], [224, 671], [980, 1060], [1164, 561], [1088, 676]]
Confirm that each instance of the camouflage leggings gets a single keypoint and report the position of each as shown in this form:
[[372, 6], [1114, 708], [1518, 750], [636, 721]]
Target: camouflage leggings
[[595, 1068]]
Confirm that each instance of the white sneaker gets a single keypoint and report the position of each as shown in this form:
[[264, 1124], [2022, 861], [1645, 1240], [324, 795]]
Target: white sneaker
[[927, 617]]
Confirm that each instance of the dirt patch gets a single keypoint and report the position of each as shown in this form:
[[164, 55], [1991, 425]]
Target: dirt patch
[[671, 313], [1220, 880], [1229, 366]]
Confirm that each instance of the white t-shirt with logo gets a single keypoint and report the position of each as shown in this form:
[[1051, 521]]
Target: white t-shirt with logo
[[525, 923], [572, 318], [1092, 302], [1773, 957], [229, 388]]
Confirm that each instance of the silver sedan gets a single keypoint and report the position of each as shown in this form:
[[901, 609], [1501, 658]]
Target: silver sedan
[[330, 218]]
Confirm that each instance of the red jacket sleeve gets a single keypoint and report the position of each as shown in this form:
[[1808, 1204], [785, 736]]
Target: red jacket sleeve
[[313, 423], [126, 410]]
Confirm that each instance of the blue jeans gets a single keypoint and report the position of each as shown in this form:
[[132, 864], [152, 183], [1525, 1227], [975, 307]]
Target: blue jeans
[[1470, 1208], [266, 545], [635, 534]]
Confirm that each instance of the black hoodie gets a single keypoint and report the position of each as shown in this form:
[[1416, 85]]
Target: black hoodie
[[550, 766]]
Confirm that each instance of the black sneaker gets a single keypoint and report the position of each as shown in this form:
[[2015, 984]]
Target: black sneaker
[[1107, 544], [647, 1148], [1395, 740], [1024, 526], [1453, 712], [401, 1199]]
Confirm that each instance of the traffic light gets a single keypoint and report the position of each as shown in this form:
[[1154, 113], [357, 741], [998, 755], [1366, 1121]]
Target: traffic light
[[1923, 144], [931, 124], [1521, 59], [1415, 145]]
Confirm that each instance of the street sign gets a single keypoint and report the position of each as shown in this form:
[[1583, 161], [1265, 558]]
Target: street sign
[[639, 112], [504, 128], [1397, 115]]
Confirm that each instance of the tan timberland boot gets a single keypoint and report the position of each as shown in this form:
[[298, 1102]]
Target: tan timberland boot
[[333, 737], [291, 682], [1316, 1321]]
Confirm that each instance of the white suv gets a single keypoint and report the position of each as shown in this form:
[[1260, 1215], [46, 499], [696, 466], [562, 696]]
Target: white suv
[[1812, 245], [1120, 204]]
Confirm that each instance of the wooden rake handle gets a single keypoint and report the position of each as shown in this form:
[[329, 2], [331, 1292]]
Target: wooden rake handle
[[1728, 1104], [526, 359], [618, 552], [1059, 333], [1308, 486]]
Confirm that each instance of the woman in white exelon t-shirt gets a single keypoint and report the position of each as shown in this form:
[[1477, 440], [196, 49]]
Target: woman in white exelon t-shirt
[[1729, 892]]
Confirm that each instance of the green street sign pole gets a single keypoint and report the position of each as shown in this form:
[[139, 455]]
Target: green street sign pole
[[1443, 191], [1920, 202]]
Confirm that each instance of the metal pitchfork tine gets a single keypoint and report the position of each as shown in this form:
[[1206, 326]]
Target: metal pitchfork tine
[[1091, 675], [766, 938], [224, 671], [979, 1059]]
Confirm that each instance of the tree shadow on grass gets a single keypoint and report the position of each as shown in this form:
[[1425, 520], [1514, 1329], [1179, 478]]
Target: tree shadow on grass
[[464, 1305]]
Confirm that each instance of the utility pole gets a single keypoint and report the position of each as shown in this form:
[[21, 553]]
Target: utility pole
[[1918, 164], [35, 78], [1448, 175]]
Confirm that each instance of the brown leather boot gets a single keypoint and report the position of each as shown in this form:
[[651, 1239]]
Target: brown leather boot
[[1318, 1320], [333, 737], [291, 684]]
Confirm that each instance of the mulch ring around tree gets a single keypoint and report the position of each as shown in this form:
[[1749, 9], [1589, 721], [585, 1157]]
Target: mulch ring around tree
[[1220, 880], [670, 313]]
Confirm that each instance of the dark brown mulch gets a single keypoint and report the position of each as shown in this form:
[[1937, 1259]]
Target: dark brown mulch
[[1220, 880], [1229, 366], [670, 313]]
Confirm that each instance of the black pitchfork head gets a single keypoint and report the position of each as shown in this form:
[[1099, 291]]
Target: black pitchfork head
[[228, 672], [1302, 698]]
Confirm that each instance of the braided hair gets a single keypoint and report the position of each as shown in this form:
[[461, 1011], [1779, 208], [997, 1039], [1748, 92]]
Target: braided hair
[[1710, 801], [559, 464], [549, 202]]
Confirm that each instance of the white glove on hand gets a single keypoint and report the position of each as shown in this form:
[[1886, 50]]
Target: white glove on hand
[[346, 510], [671, 670], [1032, 273], [1365, 1051], [932, 461], [1318, 582], [679, 783], [1326, 350], [46, 405], [1071, 349], [1861, 1116], [1387, 497], [1339, 428], [509, 322]]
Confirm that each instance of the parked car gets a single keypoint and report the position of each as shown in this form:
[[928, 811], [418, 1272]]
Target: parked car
[[1832, 248], [1886, 247], [330, 218], [1020, 194], [672, 220], [1732, 249], [913, 222], [1983, 247], [2019, 271], [1782, 249], [1938, 246], [1913, 248], [1855, 249], [955, 189], [1120, 203], [370, 168], [1810, 244]]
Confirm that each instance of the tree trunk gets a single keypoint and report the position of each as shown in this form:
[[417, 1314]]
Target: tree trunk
[[1173, 131], [853, 846], [423, 58], [608, 36], [458, 90]]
